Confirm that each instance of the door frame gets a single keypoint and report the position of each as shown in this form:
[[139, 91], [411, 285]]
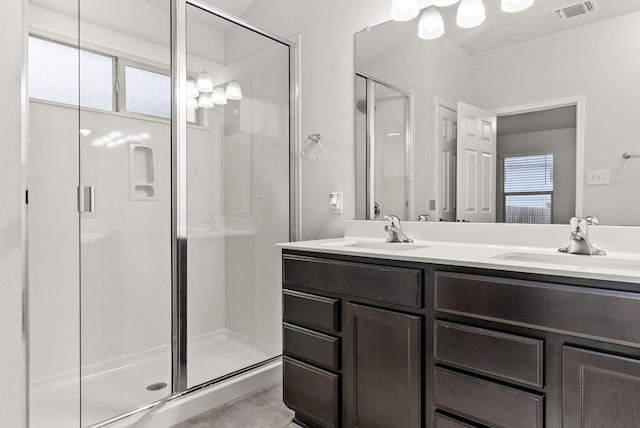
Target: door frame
[[440, 102], [579, 102]]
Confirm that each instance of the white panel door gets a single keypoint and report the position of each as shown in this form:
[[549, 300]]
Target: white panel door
[[476, 171], [446, 146]]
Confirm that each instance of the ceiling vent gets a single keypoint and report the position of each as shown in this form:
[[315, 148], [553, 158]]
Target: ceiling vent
[[575, 10]]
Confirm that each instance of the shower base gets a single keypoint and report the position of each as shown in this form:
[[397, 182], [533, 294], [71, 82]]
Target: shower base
[[119, 386]]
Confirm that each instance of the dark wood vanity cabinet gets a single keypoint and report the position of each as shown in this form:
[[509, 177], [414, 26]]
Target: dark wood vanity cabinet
[[382, 368], [600, 390], [353, 343], [374, 343]]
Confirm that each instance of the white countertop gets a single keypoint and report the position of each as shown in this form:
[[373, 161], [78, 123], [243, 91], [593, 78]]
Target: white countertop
[[621, 266]]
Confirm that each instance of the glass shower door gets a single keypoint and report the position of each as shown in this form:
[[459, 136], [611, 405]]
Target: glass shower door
[[390, 145], [125, 205], [237, 194]]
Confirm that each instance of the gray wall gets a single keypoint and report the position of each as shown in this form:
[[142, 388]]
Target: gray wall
[[12, 370], [560, 142]]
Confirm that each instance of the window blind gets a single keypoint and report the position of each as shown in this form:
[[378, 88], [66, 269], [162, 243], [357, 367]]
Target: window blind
[[528, 189]]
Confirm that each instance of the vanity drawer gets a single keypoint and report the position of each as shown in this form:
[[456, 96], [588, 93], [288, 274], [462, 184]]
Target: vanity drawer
[[510, 357], [311, 310], [443, 421], [607, 315], [312, 393], [389, 284], [487, 402], [311, 346]]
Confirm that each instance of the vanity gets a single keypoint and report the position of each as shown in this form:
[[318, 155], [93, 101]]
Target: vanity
[[450, 334]]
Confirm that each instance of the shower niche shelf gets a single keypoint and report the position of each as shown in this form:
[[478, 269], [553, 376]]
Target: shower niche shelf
[[142, 173]]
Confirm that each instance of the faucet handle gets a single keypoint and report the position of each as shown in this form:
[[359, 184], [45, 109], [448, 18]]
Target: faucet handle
[[592, 221], [393, 219]]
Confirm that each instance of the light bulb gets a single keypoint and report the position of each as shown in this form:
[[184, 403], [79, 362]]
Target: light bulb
[[204, 83], [234, 91], [431, 24], [512, 6], [470, 13], [192, 89], [404, 10], [219, 96], [444, 3], [205, 100]]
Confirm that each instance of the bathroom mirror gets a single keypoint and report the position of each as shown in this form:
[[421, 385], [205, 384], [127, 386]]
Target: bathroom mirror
[[522, 119]]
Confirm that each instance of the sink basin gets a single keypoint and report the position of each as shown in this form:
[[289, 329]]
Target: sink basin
[[385, 246], [604, 262]]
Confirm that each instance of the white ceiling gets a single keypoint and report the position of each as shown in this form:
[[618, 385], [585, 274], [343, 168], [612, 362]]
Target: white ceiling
[[499, 29], [124, 15], [233, 7], [502, 29]]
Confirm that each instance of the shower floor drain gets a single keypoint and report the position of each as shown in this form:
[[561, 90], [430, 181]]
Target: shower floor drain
[[156, 386]]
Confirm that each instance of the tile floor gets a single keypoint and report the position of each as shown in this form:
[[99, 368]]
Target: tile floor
[[262, 409]]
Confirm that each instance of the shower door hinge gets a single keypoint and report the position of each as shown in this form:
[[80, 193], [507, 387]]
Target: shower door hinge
[[86, 196]]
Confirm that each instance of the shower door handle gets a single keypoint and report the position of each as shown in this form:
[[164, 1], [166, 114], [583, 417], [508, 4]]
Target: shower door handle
[[86, 199]]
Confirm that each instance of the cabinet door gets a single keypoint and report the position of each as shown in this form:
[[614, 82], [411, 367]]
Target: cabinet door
[[382, 368], [600, 390]]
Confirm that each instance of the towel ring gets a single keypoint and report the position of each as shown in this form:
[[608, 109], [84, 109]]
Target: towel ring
[[317, 140]]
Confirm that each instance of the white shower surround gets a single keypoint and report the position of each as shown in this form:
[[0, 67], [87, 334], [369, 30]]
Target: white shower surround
[[234, 280]]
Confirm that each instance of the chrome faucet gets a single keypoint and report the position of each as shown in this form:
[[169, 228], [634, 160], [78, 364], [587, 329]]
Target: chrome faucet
[[579, 240], [394, 230]]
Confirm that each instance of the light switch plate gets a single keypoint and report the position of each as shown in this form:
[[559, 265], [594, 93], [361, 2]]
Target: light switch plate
[[599, 177], [335, 202]]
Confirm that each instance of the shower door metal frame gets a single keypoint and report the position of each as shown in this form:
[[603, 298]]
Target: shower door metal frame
[[179, 177]]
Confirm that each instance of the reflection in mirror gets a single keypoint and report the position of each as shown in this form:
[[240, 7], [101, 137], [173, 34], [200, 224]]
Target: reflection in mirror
[[522, 119], [382, 123]]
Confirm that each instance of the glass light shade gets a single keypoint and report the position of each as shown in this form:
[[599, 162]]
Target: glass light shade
[[192, 102], [204, 83], [431, 24], [443, 3], [404, 10], [512, 6], [219, 96], [234, 91], [192, 89], [205, 100], [470, 13]]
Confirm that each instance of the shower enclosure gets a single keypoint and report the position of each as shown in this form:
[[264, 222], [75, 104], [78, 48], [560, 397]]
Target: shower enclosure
[[159, 182], [383, 149]]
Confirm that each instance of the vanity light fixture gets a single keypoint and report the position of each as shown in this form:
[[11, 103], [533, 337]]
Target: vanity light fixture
[[219, 96], [444, 3], [471, 13], [204, 83], [431, 24], [233, 91], [512, 6], [192, 102], [205, 100], [404, 10], [192, 89]]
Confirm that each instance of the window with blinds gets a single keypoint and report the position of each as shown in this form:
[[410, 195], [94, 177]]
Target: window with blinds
[[528, 189]]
